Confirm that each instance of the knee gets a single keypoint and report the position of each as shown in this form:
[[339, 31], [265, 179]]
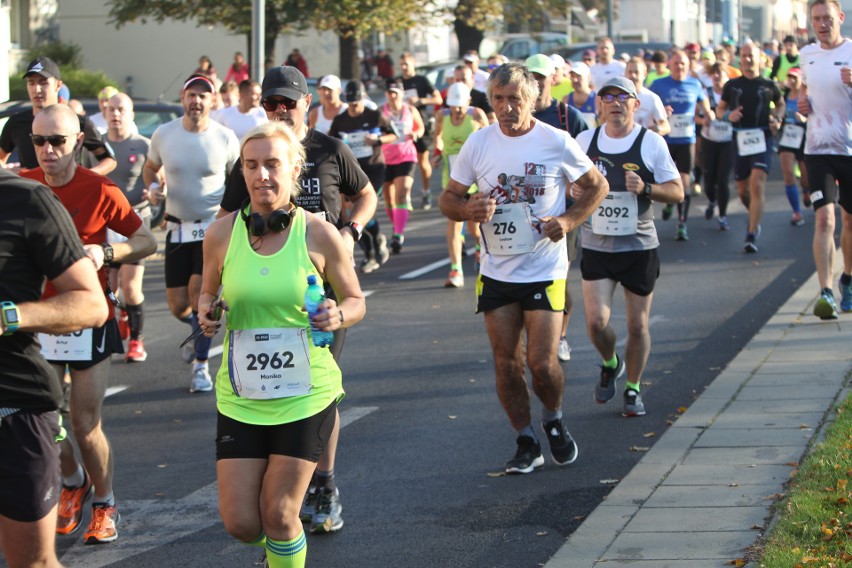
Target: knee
[[596, 323], [543, 368], [281, 525], [242, 529], [637, 329], [823, 220], [84, 422]]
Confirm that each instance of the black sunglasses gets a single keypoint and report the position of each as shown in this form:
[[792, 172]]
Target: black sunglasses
[[54, 140], [622, 97], [271, 104]]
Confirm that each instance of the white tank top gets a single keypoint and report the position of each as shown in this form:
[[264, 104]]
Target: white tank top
[[324, 124]]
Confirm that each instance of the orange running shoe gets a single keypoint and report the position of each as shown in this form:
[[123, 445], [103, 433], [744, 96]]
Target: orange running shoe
[[71, 501], [135, 351], [102, 528]]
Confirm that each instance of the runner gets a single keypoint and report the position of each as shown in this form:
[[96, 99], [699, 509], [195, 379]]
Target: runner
[[650, 113], [791, 145], [717, 153], [330, 106], [523, 169], [583, 97]]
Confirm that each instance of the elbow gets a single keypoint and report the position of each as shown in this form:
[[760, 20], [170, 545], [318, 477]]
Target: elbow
[[97, 312]]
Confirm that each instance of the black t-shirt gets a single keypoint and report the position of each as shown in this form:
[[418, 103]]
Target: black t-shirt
[[37, 241], [330, 169], [344, 124], [754, 96], [479, 99], [16, 134], [424, 88]]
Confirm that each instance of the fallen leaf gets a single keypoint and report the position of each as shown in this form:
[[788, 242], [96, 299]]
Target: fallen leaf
[[733, 485], [757, 527], [739, 562], [639, 449], [496, 473], [792, 464], [579, 517], [650, 434], [163, 465], [541, 533], [803, 426], [841, 484], [681, 409], [608, 481], [669, 422]]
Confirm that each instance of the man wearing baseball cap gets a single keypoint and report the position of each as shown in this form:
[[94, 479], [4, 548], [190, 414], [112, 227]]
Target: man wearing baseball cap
[[330, 172], [43, 83], [320, 117], [622, 248]]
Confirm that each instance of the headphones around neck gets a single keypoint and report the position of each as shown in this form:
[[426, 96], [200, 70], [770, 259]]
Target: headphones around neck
[[257, 226]]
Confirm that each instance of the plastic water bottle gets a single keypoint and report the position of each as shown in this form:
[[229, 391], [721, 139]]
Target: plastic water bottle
[[314, 296]]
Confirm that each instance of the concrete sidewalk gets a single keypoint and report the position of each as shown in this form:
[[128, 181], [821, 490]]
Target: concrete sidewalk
[[703, 493]]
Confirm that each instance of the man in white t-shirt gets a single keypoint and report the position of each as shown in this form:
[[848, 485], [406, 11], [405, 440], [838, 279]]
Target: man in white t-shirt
[[622, 248], [523, 168], [650, 113], [246, 114], [606, 68], [480, 76], [827, 101]]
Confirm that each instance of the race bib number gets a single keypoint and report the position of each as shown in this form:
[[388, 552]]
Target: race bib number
[[792, 136], [269, 363], [617, 215], [357, 142], [751, 142], [720, 131], [509, 231], [398, 126], [189, 231], [683, 125], [591, 119], [410, 94], [75, 346]]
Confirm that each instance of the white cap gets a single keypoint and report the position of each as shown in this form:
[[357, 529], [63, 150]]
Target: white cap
[[330, 81], [458, 95], [558, 62], [580, 68]]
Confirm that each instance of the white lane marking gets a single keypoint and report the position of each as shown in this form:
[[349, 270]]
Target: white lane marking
[[114, 390], [430, 267], [147, 524]]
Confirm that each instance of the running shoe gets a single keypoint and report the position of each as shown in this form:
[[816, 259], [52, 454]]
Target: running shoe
[[396, 243], [708, 213], [527, 458], [328, 516], [681, 233], [309, 505], [723, 224], [825, 307], [123, 325], [667, 212], [564, 351], [135, 351], [796, 220], [382, 252], [846, 298], [633, 405], [454, 280], [806, 198], [605, 389], [426, 204], [369, 265], [696, 188], [750, 243], [201, 381], [563, 448], [103, 527], [71, 501]]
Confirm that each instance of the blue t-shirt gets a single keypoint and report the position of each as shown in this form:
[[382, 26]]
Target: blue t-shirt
[[682, 96]]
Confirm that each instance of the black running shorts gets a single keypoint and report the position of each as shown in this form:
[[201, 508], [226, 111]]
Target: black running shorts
[[637, 270]]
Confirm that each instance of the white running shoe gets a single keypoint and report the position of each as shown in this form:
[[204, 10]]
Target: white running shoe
[[201, 381], [564, 352]]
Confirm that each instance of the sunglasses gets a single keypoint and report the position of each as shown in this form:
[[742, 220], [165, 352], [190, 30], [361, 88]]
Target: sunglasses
[[271, 104], [622, 97], [54, 140]]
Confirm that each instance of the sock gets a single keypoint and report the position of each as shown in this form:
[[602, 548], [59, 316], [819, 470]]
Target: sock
[[136, 320], [845, 279], [633, 386], [287, 553], [456, 267], [400, 219], [612, 363], [106, 500], [325, 480], [683, 208], [828, 291], [548, 415], [793, 197], [199, 365], [202, 342], [259, 542], [76, 479], [528, 431]]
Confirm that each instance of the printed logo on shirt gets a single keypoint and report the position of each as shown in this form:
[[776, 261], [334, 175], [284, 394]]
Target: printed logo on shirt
[[630, 167]]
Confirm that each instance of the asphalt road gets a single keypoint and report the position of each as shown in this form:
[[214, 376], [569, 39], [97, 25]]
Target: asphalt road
[[424, 436]]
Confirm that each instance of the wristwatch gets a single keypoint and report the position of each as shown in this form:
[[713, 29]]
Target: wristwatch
[[109, 253], [647, 191], [11, 318], [356, 230]]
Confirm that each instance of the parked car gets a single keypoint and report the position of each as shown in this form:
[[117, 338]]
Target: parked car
[[521, 46], [575, 51], [439, 72]]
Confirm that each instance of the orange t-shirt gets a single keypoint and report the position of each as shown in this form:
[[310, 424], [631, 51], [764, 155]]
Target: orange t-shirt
[[95, 204]]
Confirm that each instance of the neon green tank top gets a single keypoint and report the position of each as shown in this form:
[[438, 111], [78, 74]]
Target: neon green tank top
[[269, 292], [454, 137], [785, 66]]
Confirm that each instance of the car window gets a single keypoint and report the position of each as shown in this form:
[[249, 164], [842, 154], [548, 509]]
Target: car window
[[148, 120]]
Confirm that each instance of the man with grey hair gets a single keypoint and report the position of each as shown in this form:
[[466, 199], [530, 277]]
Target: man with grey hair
[[523, 169]]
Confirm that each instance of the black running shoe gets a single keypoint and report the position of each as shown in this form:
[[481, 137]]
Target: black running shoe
[[527, 458], [605, 389], [563, 448]]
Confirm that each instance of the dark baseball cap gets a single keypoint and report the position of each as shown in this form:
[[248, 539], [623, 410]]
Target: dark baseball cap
[[789, 39], [43, 66], [355, 91], [284, 81], [394, 85]]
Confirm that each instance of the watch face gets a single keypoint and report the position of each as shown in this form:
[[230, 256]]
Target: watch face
[[10, 315]]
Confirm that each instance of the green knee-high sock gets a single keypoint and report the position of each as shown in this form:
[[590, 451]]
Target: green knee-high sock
[[287, 553], [259, 542]]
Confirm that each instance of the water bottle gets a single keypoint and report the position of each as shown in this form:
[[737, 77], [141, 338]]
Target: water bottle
[[314, 296]]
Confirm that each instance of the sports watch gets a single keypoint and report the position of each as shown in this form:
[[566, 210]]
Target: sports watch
[[647, 191], [11, 318], [109, 253], [356, 230]]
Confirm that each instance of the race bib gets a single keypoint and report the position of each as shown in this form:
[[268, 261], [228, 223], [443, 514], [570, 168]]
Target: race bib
[[509, 231], [720, 131], [792, 136], [410, 94], [591, 119], [357, 142], [398, 126], [617, 215], [269, 363], [75, 346], [189, 231], [683, 125], [751, 142]]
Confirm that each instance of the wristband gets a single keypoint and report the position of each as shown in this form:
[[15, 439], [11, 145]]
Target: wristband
[[356, 230], [726, 116], [340, 314], [10, 316]]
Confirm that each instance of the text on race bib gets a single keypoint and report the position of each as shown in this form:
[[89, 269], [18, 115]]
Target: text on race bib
[[269, 363], [751, 141], [617, 215], [509, 231], [76, 346]]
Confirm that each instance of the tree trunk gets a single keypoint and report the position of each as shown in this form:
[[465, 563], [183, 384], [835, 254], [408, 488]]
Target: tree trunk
[[468, 36], [350, 56]]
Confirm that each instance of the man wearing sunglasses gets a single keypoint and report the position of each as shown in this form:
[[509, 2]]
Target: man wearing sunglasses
[[330, 172], [196, 153], [619, 240], [95, 205], [43, 83]]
